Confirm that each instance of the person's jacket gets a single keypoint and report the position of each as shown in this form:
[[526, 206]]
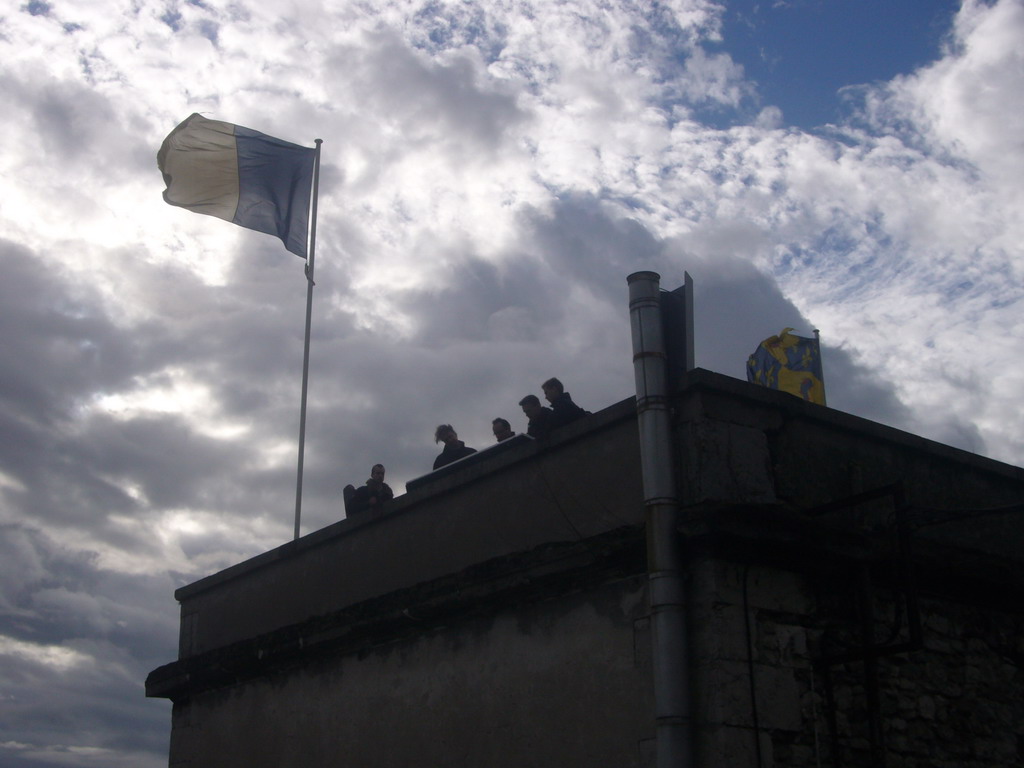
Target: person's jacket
[[540, 424], [453, 451], [370, 496], [564, 411]]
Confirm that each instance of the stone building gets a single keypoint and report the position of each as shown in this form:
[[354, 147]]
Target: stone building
[[853, 597]]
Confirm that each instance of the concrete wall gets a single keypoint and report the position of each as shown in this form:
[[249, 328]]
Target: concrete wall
[[567, 489], [743, 444], [556, 683]]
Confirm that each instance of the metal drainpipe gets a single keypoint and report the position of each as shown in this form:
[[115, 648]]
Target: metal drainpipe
[[664, 558]]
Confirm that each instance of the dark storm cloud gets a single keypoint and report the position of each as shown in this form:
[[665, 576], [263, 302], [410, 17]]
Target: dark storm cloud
[[172, 464], [29, 561], [63, 715], [532, 296], [73, 654], [53, 594], [737, 306], [446, 102], [481, 299], [582, 243], [587, 244], [78, 127], [68, 464], [57, 348], [242, 339], [78, 635], [57, 342], [59, 353]]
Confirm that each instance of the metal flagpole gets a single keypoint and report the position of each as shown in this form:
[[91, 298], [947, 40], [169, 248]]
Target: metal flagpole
[[309, 319], [817, 341]]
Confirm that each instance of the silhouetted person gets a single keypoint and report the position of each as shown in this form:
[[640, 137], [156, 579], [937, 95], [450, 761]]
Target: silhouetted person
[[539, 416], [502, 429], [563, 409], [371, 496], [454, 449]]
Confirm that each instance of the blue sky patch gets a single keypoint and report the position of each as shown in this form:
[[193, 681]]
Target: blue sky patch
[[802, 52]]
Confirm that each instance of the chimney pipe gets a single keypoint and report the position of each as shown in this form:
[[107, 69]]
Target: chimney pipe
[[665, 566]]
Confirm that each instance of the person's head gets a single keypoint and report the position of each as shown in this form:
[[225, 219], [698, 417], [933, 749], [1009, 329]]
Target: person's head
[[530, 405], [501, 428], [377, 473], [444, 433], [552, 389]]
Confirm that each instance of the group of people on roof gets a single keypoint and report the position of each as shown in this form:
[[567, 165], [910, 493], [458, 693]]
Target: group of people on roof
[[541, 422]]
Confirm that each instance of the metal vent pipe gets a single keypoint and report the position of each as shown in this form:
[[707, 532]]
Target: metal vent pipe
[[665, 565]]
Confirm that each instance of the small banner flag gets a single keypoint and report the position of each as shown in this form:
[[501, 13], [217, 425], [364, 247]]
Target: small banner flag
[[789, 363], [240, 175]]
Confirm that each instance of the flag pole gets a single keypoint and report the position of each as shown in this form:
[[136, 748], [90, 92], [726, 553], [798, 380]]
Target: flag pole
[[817, 341], [309, 322]]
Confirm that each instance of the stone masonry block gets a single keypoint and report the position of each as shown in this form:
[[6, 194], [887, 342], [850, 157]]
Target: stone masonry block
[[724, 695], [733, 747], [767, 588], [730, 463]]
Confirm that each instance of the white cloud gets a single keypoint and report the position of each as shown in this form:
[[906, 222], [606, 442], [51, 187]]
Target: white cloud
[[171, 391], [56, 657], [971, 105]]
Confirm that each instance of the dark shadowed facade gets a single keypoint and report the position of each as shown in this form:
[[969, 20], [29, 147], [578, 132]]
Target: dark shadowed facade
[[854, 597]]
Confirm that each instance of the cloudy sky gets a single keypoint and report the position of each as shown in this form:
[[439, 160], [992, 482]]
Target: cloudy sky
[[492, 172]]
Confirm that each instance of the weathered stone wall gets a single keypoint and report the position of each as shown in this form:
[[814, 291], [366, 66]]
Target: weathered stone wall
[[957, 702]]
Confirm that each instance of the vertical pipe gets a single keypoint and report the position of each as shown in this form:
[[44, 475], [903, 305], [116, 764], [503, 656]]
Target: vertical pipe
[[907, 576], [831, 709], [824, 389], [309, 323], [664, 558], [872, 690]]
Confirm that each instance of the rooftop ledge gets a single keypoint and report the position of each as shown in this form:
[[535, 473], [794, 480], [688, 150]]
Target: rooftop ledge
[[737, 446]]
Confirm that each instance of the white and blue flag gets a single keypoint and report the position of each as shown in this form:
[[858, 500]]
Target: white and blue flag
[[240, 175]]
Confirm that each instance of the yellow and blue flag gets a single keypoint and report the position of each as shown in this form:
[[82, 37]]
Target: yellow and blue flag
[[789, 363], [240, 175]]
